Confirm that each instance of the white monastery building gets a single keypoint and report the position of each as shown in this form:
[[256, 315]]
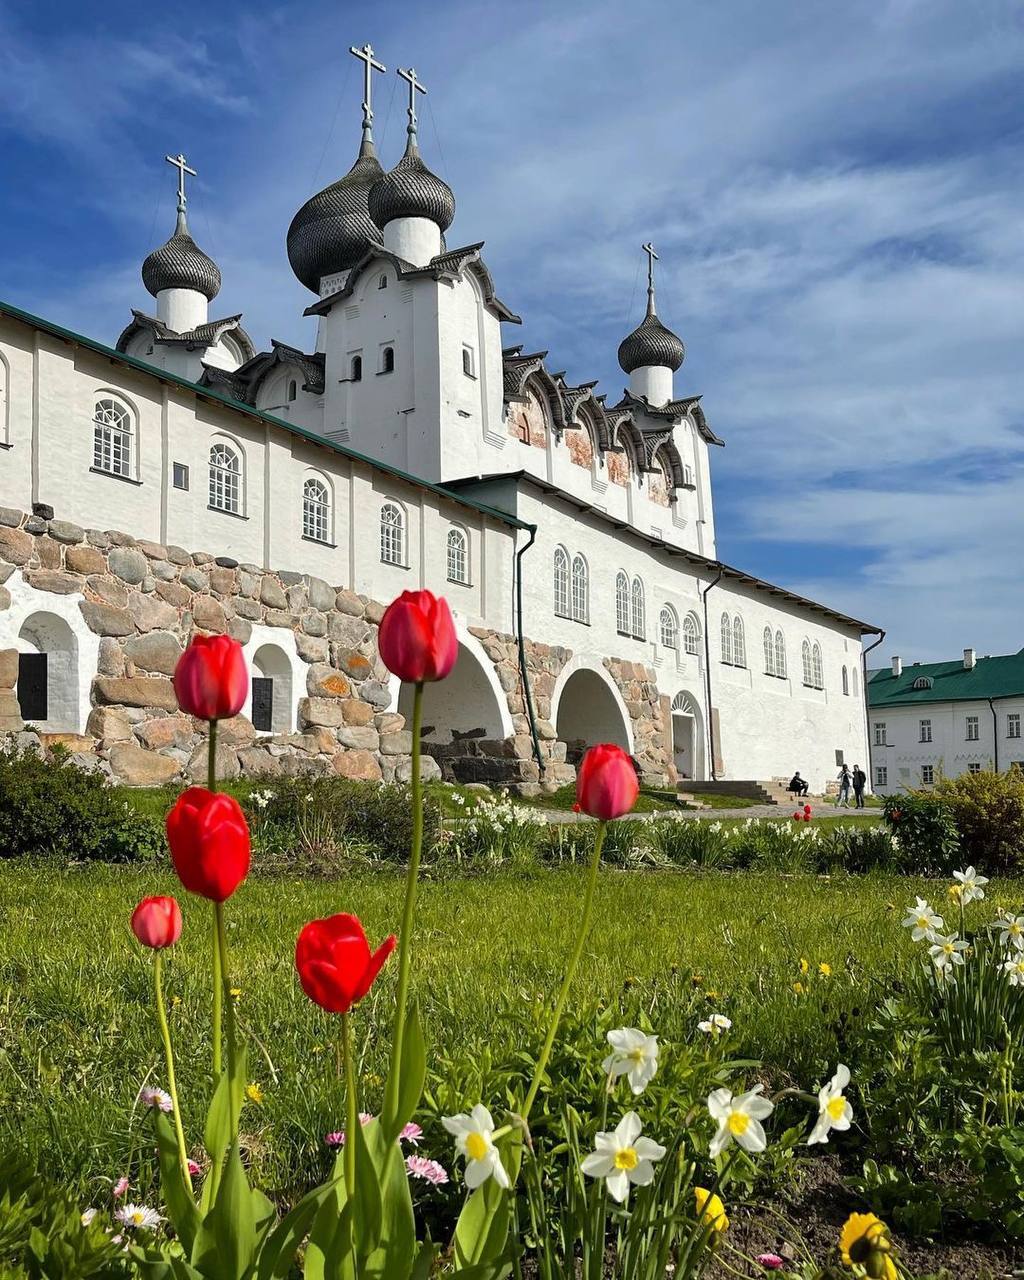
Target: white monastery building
[[181, 480], [937, 720]]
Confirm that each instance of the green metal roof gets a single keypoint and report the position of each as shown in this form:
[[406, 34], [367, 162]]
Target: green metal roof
[[999, 677], [209, 393]]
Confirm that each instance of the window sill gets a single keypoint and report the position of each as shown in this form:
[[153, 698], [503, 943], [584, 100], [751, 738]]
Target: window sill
[[472, 376], [6, 444], [111, 475], [394, 564], [223, 511], [460, 582], [320, 542], [383, 373]]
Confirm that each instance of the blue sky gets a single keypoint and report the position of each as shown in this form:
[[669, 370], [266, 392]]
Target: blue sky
[[835, 192]]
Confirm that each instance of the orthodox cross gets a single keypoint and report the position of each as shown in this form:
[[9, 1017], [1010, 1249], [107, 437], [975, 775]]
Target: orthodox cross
[[179, 163], [370, 65], [652, 258], [415, 86]]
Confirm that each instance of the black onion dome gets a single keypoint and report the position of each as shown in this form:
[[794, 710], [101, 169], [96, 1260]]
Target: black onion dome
[[651, 343], [332, 230], [410, 190], [181, 264]]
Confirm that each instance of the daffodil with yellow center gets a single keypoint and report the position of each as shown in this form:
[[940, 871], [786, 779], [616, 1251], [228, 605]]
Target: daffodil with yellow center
[[710, 1210], [738, 1119], [834, 1110], [865, 1248], [622, 1158]]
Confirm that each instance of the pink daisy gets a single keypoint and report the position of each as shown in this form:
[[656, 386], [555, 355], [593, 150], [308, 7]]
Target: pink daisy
[[771, 1261], [194, 1169], [120, 1187], [337, 1138], [411, 1133], [429, 1170]]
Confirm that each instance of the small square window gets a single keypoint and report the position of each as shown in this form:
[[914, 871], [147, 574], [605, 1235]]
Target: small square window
[[180, 475], [468, 364], [881, 777], [927, 774], [974, 767]]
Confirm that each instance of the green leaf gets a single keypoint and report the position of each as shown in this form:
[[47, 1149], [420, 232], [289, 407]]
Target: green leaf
[[367, 1207], [393, 1258], [325, 1224], [227, 1241], [277, 1254], [423, 1267], [221, 1122], [181, 1207], [412, 1073]]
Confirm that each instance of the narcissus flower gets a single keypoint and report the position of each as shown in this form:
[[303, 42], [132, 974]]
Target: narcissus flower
[[922, 921], [834, 1111], [970, 885], [946, 950], [474, 1139], [864, 1243], [710, 1210], [156, 922], [622, 1158], [715, 1025], [211, 680], [634, 1055], [1013, 967], [209, 840], [739, 1119], [606, 785], [416, 638], [1012, 931], [335, 965]]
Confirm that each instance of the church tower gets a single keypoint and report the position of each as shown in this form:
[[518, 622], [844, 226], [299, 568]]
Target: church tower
[[651, 353]]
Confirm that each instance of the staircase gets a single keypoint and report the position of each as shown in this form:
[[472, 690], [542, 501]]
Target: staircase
[[771, 792]]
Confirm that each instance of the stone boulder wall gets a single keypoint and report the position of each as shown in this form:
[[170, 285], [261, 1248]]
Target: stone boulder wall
[[144, 601]]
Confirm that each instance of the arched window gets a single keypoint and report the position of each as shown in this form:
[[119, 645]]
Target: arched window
[[392, 534], [382, 283], [622, 603], [769, 652], [726, 638], [853, 672], [5, 400], [805, 655], [780, 655], [580, 590], [846, 681], [819, 675], [739, 646], [356, 369], [561, 582], [293, 389], [691, 634], [387, 360], [458, 555], [638, 611], [225, 479], [112, 438], [668, 627], [316, 510]]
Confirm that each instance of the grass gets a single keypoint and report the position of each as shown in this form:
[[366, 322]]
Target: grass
[[650, 800], [77, 1037]]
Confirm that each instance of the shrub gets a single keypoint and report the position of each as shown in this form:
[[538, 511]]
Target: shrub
[[858, 849], [922, 825], [685, 842], [988, 809], [50, 806], [776, 846], [498, 832]]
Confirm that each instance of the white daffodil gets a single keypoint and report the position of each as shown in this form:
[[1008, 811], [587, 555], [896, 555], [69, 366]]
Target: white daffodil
[[1011, 931], [834, 1112], [739, 1118], [970, 885], [88, 1215], [623, 1158], [922, 921], [1013, 967], [715, 1025], [473, 1134], [946, 950], [634, 1055]]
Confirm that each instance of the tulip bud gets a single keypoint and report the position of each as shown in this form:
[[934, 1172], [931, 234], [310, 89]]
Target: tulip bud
[[416, 638], [335, 965], [606, 784], [211, 680], [209, 841], [156, 922]]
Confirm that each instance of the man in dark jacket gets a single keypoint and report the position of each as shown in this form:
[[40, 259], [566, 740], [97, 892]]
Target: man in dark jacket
[[860, 779], [797, 785]]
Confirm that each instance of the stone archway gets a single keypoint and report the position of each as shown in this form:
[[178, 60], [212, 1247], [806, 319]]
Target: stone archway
[[687, 737], [271, 691], [48, 678], [587, 708]]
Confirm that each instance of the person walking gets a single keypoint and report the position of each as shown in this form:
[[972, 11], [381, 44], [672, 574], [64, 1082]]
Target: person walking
[[845, 779], [860, 779]]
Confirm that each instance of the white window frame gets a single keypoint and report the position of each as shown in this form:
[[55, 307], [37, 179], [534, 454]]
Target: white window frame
[[392, 534], [457, 555], [726, 639], [805, 657], [816, 663], [739, 642], [580, 589], [769, 652], [1013, 724], [881, 775], [691, 635], [113, 438], [668, 628], [925, 730], [226, 487], [974, 766], [184, 470], [468, 360], [927, 775], [622, 603], [638, 610], [846, 682], [879, 729], [560, 582], [973, 727], [316, 510], [781, 666]]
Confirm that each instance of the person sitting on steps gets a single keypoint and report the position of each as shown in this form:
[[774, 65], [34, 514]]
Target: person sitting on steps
[[797, 785]]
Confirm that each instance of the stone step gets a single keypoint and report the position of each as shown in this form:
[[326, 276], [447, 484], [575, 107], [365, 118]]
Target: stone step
[[745, 788]]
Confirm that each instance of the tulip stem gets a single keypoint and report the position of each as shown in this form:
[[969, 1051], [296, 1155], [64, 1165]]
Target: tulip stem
[[172, 1086], [351, 1108], [222, 946], [211, 758], [408, 914], [218, 992], [570, 971]]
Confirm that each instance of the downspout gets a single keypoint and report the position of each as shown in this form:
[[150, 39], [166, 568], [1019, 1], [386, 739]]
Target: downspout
[[864, 685], [524, 676], [995, 735], [707, 672]]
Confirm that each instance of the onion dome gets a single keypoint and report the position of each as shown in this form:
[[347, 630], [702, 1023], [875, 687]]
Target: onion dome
[[410, 190], [651, 343], [332, 230], [181, 264]]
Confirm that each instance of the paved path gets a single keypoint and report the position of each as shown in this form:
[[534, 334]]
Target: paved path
[[822, 809]]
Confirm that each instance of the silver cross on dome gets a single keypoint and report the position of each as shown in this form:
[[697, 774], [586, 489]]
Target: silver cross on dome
[[415, 86], [652, 258], [182, 167], [370, 65]]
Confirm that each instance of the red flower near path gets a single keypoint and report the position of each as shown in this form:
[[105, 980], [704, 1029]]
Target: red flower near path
[[807, 808], [335, 965], [209, 841], [211, 679], [606, 785], [416, 638], [156, 922], [798, 816]]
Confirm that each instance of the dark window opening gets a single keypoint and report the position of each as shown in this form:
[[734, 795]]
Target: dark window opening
[[388, 360], [180, 475], [32, 682], [262, 704], [357, 369], [293, 390], [382, 283]]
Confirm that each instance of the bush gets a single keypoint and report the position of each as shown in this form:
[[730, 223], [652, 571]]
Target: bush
[[684, 842], [49, 806], [858, 849], [922, 825], [988, 809]]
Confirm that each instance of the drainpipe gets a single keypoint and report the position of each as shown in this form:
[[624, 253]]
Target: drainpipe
[[524, 675], [867, 709], [707, 672], [995, 735]]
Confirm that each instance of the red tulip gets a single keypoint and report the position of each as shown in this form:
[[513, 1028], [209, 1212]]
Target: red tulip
[[807, 816], [807, 808], [211, 679], [797, 816], [209, 841], [156, 922], [416, 638], [606, 784], [335, 965]]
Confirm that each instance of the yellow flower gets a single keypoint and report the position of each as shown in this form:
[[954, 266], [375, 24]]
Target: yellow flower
[[710, 1209], [799, 988], [697, 979], [235, 992], [864, 1243], [712, 995], [254, 1093], [804, 966], [954, 891], [175, 1001], [825, 969]]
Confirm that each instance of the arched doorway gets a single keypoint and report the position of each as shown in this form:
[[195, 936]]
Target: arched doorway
[[687, 737], [48, 693], [468, 704], [587, 708], [271, 690]]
